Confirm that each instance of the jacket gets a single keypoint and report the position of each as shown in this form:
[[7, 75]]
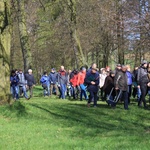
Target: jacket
[[53, 77], [22, 80], [14, 80], [81, 77], [92, 77], [30, 79], [129, 77], [142, 75], [108, 85], [44, 80], [62, 77], [74, 80], [121, 81]]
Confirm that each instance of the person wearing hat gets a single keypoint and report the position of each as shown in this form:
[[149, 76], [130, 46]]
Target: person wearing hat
[[121, 83], [142, 81], [53, 81], [92, 82]]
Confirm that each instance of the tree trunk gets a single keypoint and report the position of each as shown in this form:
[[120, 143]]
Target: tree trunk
[[26, 52], [5, 38], [80, 58]]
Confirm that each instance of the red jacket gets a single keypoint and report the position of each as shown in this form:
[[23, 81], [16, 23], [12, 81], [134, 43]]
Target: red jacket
[[81, 77], [74, 80]]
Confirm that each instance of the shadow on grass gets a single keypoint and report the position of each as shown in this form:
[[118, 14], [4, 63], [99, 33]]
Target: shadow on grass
[[100, 121], [18, 108]]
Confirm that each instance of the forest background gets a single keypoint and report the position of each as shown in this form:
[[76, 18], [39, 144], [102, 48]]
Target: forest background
[[42, 34]]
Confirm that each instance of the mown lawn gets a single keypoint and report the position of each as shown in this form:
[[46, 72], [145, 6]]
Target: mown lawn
[[53, 124]]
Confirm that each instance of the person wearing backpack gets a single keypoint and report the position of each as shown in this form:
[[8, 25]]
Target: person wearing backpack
[[45, 84], [14, 81]]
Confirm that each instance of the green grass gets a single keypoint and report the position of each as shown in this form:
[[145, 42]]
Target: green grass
[[53, 124]]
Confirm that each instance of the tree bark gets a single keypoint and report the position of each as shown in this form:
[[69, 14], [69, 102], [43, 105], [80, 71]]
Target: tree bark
[[5, 40], [26, 52]]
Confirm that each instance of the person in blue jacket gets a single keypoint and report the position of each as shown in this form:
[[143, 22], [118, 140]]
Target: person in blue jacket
[[14, 81], [92, 82], [45, 84], [129, 80]]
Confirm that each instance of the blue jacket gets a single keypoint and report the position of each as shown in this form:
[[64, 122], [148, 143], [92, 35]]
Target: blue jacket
[[14, 80], [92, 77], [53, 77], [44, 80], [129, 77]]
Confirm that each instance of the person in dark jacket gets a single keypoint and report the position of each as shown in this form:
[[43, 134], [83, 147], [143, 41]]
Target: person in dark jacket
[[148, 70], [53, 81], [62, 82], [109, 83], [142, 81], [30, 82], [92, 82], [121, 83], [14, 81]]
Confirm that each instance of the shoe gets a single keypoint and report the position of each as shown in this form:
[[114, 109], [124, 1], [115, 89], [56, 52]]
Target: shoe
[[95, 106]]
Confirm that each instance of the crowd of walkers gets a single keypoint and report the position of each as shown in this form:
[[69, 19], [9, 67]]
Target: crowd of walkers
[[91, 84]]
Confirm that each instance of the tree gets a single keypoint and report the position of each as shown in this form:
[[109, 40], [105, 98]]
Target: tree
[[5, 38]]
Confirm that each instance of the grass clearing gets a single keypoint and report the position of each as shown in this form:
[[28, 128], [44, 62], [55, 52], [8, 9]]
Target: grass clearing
[[54, 124]]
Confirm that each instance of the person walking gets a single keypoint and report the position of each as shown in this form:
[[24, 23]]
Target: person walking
[[53, 81], [22, 84], [121, 83], [45, 84], [80, 82], [14, 81], [62, 81], [92, 82], [30, 82], [142, 81]]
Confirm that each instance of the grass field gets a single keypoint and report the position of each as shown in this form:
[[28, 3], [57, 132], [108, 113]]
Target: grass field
[[54, 124]]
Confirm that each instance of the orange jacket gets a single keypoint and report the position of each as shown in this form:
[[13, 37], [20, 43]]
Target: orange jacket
[[74, 80], [81, 77]]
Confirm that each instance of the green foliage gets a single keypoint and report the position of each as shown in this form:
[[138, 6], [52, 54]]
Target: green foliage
[[53, 124]]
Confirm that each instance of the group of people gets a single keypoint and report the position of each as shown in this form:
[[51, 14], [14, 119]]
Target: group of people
[[88, 83], [20, 83]]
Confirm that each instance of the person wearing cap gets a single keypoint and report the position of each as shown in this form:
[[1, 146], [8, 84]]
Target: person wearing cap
[[22, 84], [142, 81], [117, 69], [80, 82], [53, 81], [92, 82], [121, 83], [30, 82]]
